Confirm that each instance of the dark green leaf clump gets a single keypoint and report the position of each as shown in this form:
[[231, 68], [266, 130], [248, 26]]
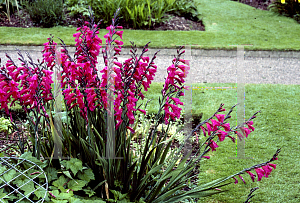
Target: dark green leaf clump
[[45, 13], [290, 8]]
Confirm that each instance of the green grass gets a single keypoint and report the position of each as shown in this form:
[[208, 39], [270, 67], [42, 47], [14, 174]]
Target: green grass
[[227, 22], [275, 127]]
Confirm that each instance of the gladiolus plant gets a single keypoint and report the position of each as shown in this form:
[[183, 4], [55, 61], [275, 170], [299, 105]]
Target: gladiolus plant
[[87, 102]]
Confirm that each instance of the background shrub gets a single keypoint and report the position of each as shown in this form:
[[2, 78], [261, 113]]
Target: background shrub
[[290, 8], [139, 14], [187, 9], [45, 13]]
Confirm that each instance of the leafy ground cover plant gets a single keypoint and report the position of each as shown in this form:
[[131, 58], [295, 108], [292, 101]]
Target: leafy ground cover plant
[[89, 103]]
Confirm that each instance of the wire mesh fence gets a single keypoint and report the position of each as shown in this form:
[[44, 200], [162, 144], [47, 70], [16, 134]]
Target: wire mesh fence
[[22, 180]]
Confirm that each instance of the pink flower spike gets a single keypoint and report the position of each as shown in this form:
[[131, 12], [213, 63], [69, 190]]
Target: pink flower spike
[[260, 173], [218, 189], [110, 27], [207, 157], [242, 179], [251, 175], [220, 117], [119, 27], [236, 181]]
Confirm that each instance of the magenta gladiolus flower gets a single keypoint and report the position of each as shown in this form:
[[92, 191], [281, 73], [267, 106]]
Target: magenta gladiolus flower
[[221, 134], [215, 124], [143, 111], [226, 126], [177, 101], [232, 138], [208, 125], [251, 175], [273, 165], [250, 123], [236, 181], [120, 34], [239, 135], [203, 129], [260, 173], [245, 131], [220, 117], [132, 131], [213, 145], [242, 179], [267, 170]]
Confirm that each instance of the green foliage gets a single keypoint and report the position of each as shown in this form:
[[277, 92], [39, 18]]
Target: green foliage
[[63, 183], [47, 13], [5, 125], [10, 6], [187, 9], [139, 13], [291, 8]]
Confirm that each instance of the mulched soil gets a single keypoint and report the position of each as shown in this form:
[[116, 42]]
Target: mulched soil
[[174, 23]]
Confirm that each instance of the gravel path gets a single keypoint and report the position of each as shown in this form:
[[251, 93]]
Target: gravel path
[[210, 66]]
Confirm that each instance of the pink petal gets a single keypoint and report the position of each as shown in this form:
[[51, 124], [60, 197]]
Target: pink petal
[[242, 179], [260, 173], [143, 111], [215, 124], [236, 181], [220, 117], [251, 175], [203, 129], [132, 131], [226, 126], [273, 165]]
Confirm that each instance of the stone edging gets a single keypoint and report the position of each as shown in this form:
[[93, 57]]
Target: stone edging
[[172, 52]]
